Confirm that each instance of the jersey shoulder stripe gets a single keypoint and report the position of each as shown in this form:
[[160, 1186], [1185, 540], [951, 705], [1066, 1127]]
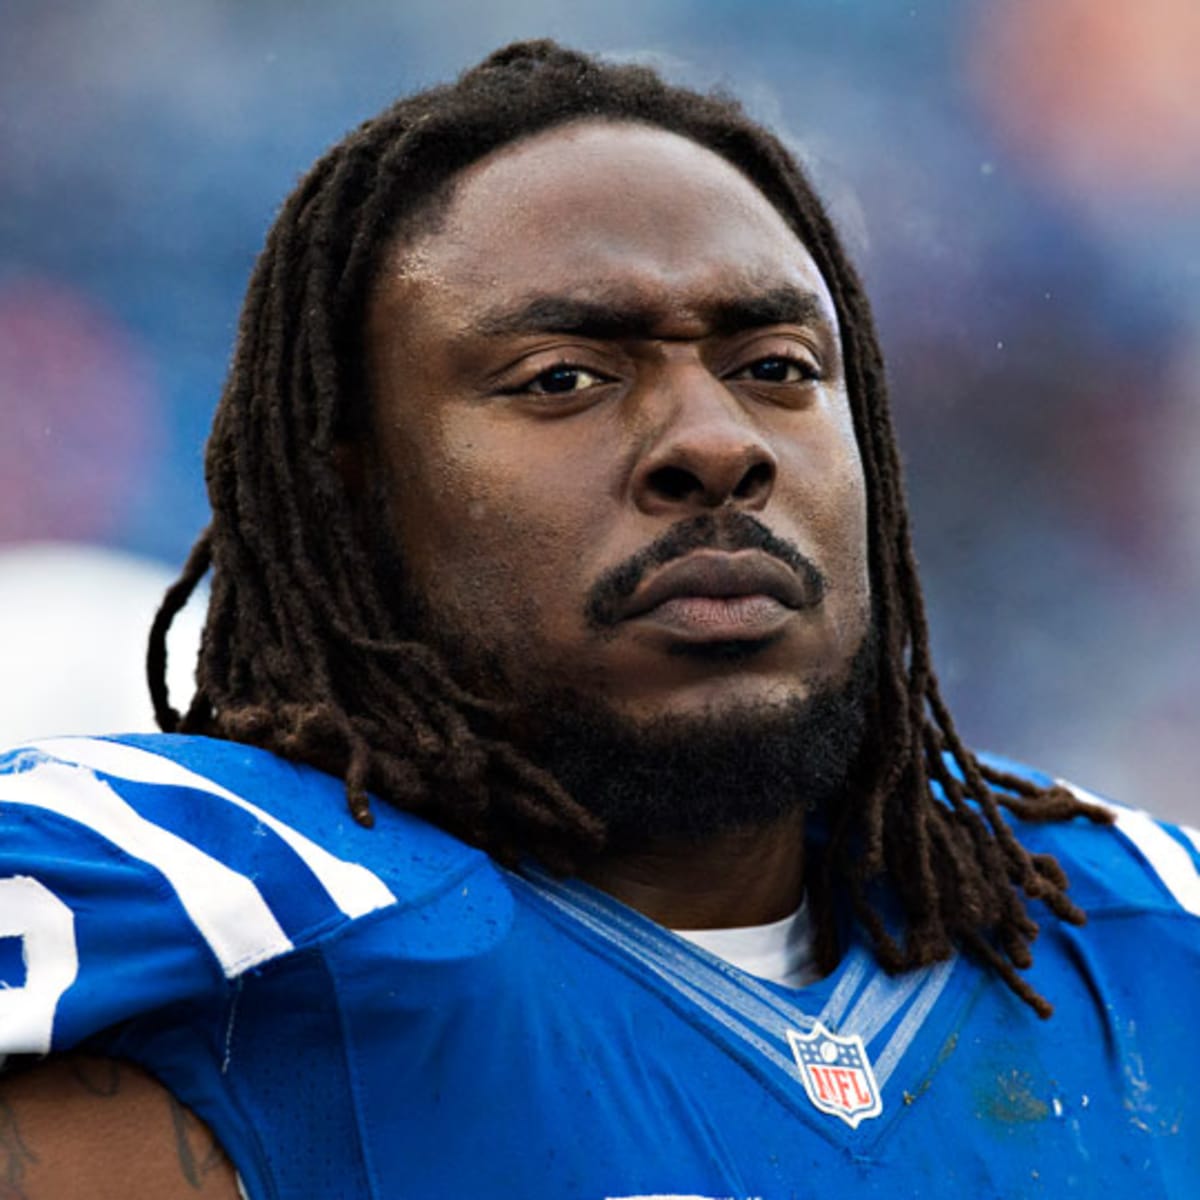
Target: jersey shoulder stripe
[[353, 888], [225, 906], [1137, 863], [1171, 852], [400, 860], [138, 872]]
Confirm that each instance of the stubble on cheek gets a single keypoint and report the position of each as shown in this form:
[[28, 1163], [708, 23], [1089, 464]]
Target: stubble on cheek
[[504, 604]]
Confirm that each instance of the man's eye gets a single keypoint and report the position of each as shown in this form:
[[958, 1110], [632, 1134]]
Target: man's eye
[[779, 369], [562, 380]]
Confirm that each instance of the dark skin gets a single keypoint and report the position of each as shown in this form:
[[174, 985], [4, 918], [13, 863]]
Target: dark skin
[[610, 331], [78, 1128], [695, 891]]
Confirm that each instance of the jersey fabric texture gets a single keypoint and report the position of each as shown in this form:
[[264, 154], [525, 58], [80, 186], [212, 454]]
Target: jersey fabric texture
[[386, 1013]]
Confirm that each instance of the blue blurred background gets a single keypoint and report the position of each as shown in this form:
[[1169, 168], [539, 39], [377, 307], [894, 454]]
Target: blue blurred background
[[1019, 181]]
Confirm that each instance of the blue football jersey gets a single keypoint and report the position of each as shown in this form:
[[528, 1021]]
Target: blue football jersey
[[387, 1013]]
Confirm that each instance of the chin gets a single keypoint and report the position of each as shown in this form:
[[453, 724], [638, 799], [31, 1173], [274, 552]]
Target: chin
[[698, 761], [729, 696]]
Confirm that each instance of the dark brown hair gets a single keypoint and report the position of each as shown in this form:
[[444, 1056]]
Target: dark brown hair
[[302, 653]]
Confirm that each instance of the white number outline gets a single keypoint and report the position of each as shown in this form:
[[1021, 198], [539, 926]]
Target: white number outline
[[46, 926]]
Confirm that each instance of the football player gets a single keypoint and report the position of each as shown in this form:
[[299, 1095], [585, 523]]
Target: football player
[[567, 805]]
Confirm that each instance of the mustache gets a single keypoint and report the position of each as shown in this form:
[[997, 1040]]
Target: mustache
[[730, 532]]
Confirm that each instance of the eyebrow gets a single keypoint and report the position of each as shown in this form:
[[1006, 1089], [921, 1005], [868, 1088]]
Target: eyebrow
[[611, 319]]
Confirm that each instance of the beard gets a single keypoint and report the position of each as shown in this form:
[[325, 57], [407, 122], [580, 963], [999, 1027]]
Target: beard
[[677, 778], [686, 779]]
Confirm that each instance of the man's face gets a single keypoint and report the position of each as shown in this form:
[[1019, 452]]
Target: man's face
[[610, 409]]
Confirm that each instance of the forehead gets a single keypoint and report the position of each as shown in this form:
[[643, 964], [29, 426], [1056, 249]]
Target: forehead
[[602, 207]]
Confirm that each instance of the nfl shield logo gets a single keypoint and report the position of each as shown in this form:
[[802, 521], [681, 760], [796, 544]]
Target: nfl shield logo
[[837, 1074]]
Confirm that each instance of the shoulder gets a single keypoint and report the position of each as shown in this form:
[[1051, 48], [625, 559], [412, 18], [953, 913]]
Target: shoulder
[[1136, 864], [142, 870], [241, 806]]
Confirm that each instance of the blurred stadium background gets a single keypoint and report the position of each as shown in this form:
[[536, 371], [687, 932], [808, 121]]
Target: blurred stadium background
[[1019, 181]]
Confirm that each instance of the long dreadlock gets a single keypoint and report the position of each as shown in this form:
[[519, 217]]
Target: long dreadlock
[[303, 655]]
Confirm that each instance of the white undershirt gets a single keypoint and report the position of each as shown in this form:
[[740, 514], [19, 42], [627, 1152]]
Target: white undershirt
[[780, 952]]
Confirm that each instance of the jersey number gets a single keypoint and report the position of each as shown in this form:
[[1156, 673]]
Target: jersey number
[[46, 927]]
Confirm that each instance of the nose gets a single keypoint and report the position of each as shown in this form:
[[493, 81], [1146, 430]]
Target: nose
[[706, 453]]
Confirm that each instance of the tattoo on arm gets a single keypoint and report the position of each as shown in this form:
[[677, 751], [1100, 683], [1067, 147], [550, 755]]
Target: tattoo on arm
[[97, 1115], [98, 1076], [199, 1152], [15, 1155]]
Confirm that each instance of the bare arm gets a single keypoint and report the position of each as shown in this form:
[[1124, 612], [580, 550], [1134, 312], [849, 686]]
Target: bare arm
[[75, 1128]]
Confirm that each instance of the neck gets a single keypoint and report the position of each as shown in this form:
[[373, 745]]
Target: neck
[[746, 877]]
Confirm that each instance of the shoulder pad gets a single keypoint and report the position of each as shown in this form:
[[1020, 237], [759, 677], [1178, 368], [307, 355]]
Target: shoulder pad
[[1138, 862], [184, 862]]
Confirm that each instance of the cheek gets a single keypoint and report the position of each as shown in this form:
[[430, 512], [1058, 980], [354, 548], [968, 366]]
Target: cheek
[[853, 547], [496, 523], [829, 502], [847, 511]]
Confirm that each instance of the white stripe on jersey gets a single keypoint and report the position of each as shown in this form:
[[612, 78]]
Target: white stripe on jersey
[[1168, 858], [880, 1001], [684, 967], [46, 926], [910, 1024], [1171, 862], [224, 906], [1192, 836], [854, 974], [747, 1008], [353, 888]]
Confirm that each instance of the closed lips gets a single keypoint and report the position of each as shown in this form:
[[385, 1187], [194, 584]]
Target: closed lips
[[720, 576]]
